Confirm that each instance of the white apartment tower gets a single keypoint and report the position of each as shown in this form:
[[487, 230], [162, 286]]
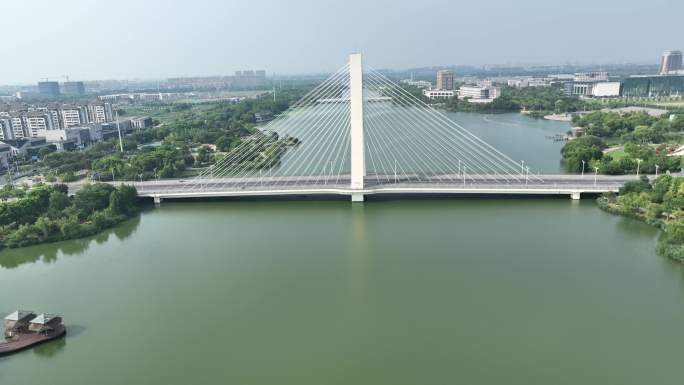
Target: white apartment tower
[[37, 121], [71, 117]]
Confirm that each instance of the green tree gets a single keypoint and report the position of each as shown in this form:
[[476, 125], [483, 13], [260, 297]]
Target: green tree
[[91, 198], [586, 148], [58, 201]]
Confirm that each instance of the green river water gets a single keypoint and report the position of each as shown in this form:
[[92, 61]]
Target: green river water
[[421, 291]]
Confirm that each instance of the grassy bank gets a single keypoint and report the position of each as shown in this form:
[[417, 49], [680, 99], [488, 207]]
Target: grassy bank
[[659, 204]]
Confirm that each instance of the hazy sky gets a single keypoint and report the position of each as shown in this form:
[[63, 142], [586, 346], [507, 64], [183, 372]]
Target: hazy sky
[[99, 39]]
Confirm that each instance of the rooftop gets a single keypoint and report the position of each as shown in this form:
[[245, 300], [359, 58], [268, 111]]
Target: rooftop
[[44, 318], [17, 315]]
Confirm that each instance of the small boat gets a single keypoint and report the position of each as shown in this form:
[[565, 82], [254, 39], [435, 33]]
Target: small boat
[[24, 329]]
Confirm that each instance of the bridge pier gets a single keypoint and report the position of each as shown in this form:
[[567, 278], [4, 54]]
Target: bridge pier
[[157, 200], [357, 197], [575, 196]]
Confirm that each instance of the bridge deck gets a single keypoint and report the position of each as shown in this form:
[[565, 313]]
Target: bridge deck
[[572, 185]]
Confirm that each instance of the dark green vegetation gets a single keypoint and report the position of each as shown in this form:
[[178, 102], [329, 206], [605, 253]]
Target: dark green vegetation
[[647, 142], [48, 214], [187, 139], [537, 100], [636, 127], [660, 203], [540, 101]]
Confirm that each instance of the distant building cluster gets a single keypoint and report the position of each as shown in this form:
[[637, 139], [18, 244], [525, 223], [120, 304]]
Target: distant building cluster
[[421, 84], [18, 121], [53, 89], [140, 96], [241, 79], [598, 85], [527, 81], [444, 86]]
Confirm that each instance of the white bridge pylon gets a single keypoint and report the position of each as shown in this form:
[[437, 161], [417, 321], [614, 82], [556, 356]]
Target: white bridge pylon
[[354, 132], [358, 159]]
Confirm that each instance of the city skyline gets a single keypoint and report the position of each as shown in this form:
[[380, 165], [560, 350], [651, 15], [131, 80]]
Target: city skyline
[[209, 37]]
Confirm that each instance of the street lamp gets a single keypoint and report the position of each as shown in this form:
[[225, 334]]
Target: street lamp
[[583, 162], [395, 171], [522, 167], [595, 175], [113, 180], [656, 175], [638, 164]]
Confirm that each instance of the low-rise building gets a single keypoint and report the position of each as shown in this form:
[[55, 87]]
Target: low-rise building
[[523, 82], [5, 155], [44, 323], [140, 123], [27, 146], [583, 83], [438, 94], [422, 84], [607, 89], [17, 322], [66, 139], [479, 94]]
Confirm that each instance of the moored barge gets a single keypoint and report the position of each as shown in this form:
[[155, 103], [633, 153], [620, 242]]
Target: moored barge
[[24, 329]]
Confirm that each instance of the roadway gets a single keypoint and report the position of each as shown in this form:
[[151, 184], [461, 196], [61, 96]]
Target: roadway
[[571, 185]]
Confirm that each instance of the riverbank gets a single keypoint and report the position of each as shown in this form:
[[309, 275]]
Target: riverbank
[[47, 214], [658, 204]]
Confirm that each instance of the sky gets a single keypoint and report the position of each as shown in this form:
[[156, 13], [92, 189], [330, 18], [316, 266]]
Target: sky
[[154, 39]]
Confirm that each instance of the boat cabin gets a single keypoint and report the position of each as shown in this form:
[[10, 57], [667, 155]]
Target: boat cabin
[[18, 322], [44, 323]]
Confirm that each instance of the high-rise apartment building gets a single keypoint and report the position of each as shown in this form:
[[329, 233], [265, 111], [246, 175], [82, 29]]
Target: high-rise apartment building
[[670, 62], [13, 127], [99, 113], [73, 88], [37, 120], [445, 80], [72, 117], [48, 88]]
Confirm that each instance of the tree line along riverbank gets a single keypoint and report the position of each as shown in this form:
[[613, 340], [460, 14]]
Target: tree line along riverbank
[[659, 203], [642, 143], [48, 214]]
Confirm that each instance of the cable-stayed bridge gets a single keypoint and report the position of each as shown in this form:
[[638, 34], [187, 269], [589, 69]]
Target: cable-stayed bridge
[[359, 133]]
